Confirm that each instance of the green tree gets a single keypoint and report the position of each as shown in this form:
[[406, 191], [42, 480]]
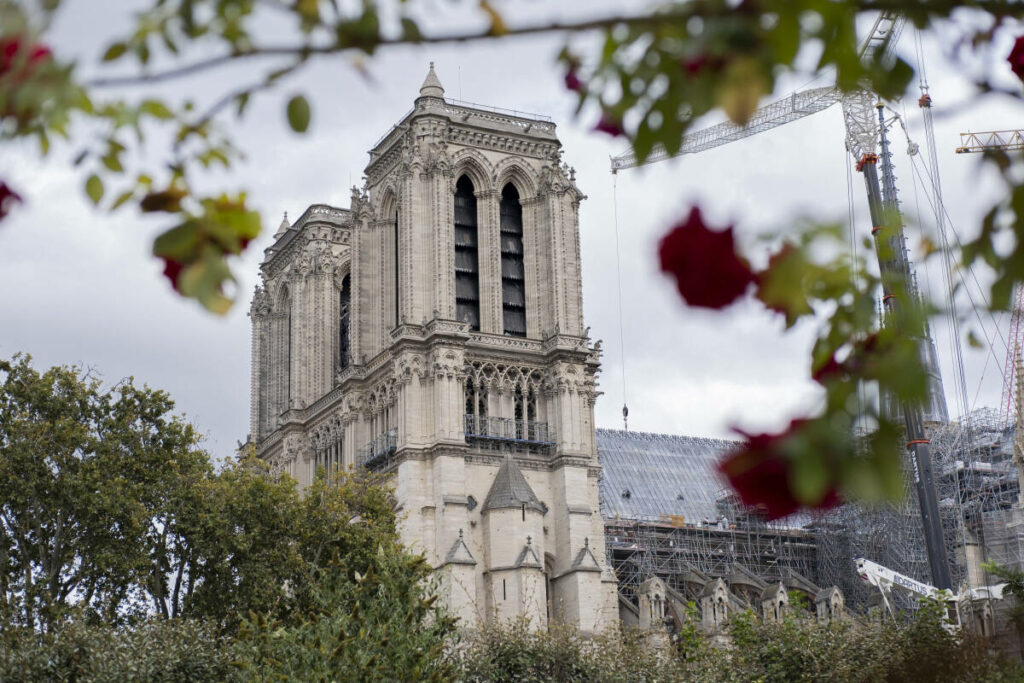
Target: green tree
[[83, 472]]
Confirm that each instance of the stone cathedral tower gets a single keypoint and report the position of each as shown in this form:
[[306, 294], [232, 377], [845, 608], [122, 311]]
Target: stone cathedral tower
[[434, 331]]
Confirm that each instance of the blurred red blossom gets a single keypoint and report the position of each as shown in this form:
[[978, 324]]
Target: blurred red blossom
[[761, 474], [14, 51], [708, 271], [609, 125], [572, 81], [8, 198], [1016, 58], [172, 270]]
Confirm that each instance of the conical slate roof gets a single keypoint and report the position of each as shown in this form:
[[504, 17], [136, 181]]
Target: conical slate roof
[[284, 226], [510, 489], [431, 85]]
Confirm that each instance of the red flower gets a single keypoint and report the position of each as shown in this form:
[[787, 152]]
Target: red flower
[[609, 125], [8, 198], [172, 270], [697, 64], [830, 368], [572, 81], [1016, 58], [854, 362], [707, 270], [11, 49], [760, 474]]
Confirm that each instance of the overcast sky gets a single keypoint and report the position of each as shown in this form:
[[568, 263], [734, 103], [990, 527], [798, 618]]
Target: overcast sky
[[79, 286]]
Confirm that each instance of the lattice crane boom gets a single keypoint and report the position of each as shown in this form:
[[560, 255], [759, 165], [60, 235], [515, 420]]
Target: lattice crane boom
[[858, 109], [778, 113], [1004, 140]]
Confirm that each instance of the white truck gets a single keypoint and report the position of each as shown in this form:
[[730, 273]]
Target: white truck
[[884, 579]]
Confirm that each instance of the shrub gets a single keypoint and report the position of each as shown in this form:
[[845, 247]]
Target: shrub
[[157, 650]]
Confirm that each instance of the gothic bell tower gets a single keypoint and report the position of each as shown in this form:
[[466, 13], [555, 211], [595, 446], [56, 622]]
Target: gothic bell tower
[[441, 341]]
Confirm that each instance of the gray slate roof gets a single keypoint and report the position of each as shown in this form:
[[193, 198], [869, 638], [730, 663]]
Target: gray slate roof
[[510, 489], [663, 474]]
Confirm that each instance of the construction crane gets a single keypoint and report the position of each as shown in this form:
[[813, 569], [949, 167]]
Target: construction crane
[[867, 141], [1004, 141]]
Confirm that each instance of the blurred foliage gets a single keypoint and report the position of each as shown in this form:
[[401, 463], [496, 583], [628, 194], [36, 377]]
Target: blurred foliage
[[87, 651], [652, 74], [797, 649], [517, 652]]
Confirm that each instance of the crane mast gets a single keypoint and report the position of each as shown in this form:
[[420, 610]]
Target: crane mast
[[865, 129], [894, 266]]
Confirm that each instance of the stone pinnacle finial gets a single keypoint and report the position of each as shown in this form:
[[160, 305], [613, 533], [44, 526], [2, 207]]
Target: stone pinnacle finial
[[529, 540], [431, 85], [284, 226]]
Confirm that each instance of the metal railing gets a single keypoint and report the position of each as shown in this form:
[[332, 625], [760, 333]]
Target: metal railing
[[375, 453], [509, 429]]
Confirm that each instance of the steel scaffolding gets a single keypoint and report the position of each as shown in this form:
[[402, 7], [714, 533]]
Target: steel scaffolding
[[977, 487]]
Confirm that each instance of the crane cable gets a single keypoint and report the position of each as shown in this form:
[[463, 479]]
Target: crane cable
[[618, 283]]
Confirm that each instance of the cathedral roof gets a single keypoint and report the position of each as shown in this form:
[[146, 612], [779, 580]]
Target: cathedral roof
[[510, 489], [651, 476], [431, 85]]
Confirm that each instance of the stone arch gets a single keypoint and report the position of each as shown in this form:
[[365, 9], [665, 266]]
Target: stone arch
[[388, 201], [282, 298], [475, 166], [513, 170]]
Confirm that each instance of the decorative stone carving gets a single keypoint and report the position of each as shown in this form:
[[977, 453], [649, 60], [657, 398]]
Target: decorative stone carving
[[260, 306]]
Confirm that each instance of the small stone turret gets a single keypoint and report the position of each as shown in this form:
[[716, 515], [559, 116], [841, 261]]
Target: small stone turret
[[431, 85]]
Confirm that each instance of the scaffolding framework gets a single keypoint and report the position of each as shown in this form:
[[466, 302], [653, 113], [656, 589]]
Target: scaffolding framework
[[978, 491]]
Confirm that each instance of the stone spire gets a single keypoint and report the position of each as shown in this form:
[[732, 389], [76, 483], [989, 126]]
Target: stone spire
[[284, 227], [510, 489], [431, 85]]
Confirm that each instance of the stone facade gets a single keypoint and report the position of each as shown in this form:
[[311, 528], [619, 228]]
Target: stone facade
[[454, 359]]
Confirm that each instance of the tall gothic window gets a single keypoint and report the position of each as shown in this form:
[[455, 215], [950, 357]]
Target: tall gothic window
[[288, 366], [398, 317], [344, 310], [467, 269], [513, 289]]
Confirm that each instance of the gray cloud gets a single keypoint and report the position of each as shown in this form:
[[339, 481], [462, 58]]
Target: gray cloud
[[80, 287]]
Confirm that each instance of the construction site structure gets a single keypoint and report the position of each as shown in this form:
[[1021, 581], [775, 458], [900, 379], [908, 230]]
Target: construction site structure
[[669, 515], [867, 142]]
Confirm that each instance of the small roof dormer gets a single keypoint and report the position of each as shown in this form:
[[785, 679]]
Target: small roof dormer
[[432, 85]]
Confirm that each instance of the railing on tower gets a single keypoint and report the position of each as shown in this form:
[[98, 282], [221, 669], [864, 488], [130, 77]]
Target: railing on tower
[[509, 430], [376, 454]]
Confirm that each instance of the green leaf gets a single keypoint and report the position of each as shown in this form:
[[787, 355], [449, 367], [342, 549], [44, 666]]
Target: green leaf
[[156, 109], [112, 162], [122, 199], [94, 188], [298, 114], [241, 102], [114, 51]]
